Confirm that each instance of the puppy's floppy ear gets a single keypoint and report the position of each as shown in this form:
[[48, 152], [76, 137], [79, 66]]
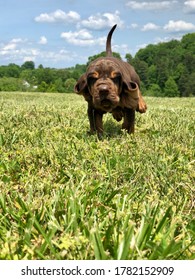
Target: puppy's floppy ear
[[130, 94], [81, 85]]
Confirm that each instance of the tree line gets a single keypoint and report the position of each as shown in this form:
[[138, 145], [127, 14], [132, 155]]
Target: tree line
[[165, 69], [28, 78]]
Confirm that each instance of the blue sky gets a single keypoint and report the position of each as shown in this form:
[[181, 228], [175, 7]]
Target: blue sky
[[63, 33]]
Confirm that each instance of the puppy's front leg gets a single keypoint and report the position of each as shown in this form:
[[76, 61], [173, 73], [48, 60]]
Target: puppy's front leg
[[98, 123], [129, 120], [90, 112]]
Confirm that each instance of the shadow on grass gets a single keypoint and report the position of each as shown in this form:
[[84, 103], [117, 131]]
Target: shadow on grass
[[112, 130]]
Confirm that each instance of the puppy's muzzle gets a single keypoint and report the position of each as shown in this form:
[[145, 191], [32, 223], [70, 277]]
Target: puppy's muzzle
[[104, 97], [103, 91]]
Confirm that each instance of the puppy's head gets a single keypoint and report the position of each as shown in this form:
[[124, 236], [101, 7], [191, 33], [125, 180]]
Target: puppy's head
[[105, 85]]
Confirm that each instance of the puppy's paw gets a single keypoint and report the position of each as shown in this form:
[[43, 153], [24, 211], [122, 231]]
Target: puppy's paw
[[142, 107]]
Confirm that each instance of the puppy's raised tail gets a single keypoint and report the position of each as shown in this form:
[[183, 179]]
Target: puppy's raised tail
[[108, 41]]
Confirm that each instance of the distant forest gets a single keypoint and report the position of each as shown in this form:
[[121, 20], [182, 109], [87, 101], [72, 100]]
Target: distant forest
[[166, 69]]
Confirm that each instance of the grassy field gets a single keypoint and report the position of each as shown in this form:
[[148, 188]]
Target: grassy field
[[67, 195]]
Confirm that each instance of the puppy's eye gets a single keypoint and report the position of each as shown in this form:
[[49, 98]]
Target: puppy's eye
[[91, 79], [116, 79], [115, 76]]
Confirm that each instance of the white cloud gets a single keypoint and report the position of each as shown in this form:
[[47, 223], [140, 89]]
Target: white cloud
[[43, 40], [9, 47], [95, 22], [12, 47], [158, 40], [102, 21], [189, 6], [134, 25], [122, 49], [179, 26], [18, 53], [82, 38], [17, 40], [13, 52], [58, 16], [150, 27], [150, 5], [56, 56]]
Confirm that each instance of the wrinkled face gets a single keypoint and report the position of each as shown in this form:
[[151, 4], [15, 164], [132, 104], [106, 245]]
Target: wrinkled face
[[104, 83]]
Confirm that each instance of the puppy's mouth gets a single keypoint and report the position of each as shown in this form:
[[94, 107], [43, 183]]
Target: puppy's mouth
[[106, 103]]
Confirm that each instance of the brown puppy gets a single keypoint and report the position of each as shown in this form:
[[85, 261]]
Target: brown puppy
[[111, 85]]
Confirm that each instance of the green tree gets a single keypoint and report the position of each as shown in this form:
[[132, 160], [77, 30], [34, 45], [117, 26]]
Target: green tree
[[10, 84], [182, 83], [141, 68], [191, 84], [29, 76], [163, 73], [152, 74], [28, 65], [147, 54], [13, 70], [51, 88], [189, 61], [129, 58], [179, 70], [59, 85], [46, 75], [187, 84], [69, 85], [43, 87], [154, 90], [171, 88], [188, 42]]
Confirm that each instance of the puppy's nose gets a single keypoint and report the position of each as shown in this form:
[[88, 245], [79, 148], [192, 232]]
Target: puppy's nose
[[103, 90]]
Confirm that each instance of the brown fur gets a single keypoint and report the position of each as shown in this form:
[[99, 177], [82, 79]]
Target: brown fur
[[111, 85]]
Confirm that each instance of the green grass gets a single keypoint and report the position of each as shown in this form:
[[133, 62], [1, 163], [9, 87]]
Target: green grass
[[67, 195]]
